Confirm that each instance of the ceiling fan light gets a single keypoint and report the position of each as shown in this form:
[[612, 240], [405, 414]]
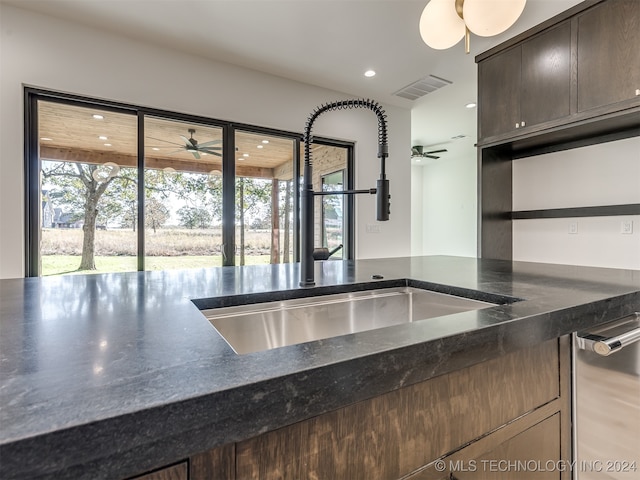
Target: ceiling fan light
[[440, 25], [486, 18]]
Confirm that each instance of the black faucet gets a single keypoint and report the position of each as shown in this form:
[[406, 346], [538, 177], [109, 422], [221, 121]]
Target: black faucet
[[382, 185]]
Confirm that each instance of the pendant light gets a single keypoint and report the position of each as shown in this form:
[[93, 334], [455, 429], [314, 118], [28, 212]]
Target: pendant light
[[445, 22]]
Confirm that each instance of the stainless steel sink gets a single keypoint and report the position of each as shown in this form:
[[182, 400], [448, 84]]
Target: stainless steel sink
[[263, 326]]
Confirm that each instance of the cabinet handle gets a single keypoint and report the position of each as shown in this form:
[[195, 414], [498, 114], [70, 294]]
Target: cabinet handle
[[605, 346], [517, 125], [522, 123]]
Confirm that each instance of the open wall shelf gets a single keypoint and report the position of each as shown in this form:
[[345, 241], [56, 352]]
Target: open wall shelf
[[598, 211]]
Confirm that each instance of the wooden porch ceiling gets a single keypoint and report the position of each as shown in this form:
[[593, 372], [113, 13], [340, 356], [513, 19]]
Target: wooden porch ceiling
[[70, 133]]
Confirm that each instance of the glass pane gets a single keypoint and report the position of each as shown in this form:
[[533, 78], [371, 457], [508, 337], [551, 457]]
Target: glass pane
[[88, 185], [183, 195], [264, 199], [333, 214], [330, 211]]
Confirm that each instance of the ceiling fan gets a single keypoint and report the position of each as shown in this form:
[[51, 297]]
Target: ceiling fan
[[191, 145], [417, 151]]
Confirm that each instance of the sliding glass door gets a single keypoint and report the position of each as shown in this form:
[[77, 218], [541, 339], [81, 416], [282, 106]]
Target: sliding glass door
[[264, 198], [182, 194], [87, 189], [333, 214], [114, 188]]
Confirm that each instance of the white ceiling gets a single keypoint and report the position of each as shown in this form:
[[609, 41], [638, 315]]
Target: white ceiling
[[328, 43]]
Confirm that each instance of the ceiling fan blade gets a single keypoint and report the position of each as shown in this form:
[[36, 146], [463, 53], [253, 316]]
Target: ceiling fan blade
[[212, 142], [437, 151], [176, 151], [195, 153], [167, 141], [186, 141], [430, 156], [209, 150], [215, 153]]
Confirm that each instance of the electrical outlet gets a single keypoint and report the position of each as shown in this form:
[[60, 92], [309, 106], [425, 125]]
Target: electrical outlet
[[626, 227], [373, 228], [573, 228]]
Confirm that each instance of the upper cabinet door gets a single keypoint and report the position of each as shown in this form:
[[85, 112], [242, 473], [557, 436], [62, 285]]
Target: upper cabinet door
[[546, 76], [499, 91], [608, 54], [526, 85]]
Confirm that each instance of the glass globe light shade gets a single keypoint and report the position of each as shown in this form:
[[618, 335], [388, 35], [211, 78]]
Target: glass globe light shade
[[114, 168], [486, 18], [104, 172], [440, 25]]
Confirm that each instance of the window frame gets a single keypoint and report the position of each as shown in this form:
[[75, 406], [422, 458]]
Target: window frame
[[32, 166]]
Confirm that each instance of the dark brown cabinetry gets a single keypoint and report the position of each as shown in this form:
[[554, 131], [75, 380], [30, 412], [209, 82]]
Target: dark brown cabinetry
[[499, 93], [608, 54], [526, 85], [546, 77], [533, 454], [574, 80], [491, 408], [513, 405], [583, 64]]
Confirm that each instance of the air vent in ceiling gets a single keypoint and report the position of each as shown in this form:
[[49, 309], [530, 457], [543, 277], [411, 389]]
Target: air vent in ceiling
[[418, 89]]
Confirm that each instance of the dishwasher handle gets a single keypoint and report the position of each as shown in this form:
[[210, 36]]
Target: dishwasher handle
[[605, 346]]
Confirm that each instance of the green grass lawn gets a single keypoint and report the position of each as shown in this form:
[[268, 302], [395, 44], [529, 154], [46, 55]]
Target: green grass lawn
[[68, 264]]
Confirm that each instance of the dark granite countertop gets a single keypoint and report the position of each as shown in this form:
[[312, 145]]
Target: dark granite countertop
[[104, 376]]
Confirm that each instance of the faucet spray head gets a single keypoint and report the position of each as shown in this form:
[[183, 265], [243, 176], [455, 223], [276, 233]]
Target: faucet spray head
[[383, 205]]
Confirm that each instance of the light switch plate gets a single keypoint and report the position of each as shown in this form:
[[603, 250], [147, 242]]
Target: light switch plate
[[373, 228], [573, 228], [626, 227]]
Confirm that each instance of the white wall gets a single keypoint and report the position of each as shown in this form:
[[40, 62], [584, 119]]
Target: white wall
[[49, 53], [417, 210], [447, 191], [449, 206], [603, 174]]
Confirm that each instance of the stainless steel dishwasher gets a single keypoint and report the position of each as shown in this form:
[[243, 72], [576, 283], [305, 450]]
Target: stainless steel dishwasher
[[607, 401]]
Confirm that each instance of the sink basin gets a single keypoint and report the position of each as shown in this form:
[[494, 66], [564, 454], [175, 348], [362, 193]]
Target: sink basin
[[263, 326]]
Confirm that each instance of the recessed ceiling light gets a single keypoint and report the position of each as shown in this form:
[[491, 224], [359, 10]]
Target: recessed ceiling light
[[98, 117], [102, 137], [245, 154], [155, 148], [241, 158], [46, 139], [265, 141], [470, 105], [260, 146], [418, 160], [370, 73], [204, 154], [107, 144]]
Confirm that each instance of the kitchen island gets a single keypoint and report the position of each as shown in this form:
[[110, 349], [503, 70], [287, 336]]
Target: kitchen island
[[113, 375]]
